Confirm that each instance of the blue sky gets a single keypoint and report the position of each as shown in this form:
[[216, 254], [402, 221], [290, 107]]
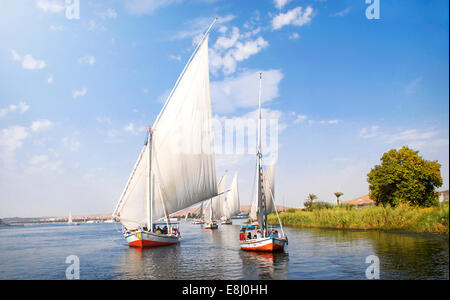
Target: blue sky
[[77, 94]]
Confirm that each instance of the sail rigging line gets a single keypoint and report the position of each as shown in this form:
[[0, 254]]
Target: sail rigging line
[[184, 71], [129, 180], [276, 211]]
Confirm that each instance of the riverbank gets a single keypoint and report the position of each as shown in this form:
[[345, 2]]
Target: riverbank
[[401, 218]]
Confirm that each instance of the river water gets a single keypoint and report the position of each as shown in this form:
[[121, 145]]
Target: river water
[[40, 252]]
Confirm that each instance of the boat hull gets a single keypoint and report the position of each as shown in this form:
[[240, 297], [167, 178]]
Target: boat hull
[[227, 223], [264, 244], [144, 239], [211, 226]]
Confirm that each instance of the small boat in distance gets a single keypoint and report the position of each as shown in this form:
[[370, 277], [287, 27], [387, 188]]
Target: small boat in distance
[[215, 205], [231, 205], [69, 220], [200, 217], [260, 236], [176, 166]]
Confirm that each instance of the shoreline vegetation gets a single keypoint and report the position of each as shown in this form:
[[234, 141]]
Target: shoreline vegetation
[[403, 217]]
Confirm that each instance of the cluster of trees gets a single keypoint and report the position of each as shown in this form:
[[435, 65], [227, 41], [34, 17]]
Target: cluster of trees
[[402, 177], [405, 177]]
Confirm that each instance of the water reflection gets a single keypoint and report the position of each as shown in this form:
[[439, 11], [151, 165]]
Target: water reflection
[[260, 265], [311, 254]]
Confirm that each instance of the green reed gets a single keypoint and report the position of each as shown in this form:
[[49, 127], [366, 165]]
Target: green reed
[[400, 218]]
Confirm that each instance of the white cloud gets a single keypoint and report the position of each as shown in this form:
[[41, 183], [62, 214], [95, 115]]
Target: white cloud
[[28, 62], [71, 143], [43, 162], [411, 135], [242, 91], [341, 13], [16, 55], [54, 6], [300, 119], [56, 28], [79, 93], [296, 16], [11, 139], [88, 59], [103, 119], [294, 36], [174, 57], [194, 29], [412, 86], [366, 133], [236, 47], [95, 27], [110, 13], [21, 108], [133, 129], [280, 3], [41, 125], [140, 7], [50, 79]]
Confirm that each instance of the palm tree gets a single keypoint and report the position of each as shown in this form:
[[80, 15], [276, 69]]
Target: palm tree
[[309, 200], [338, 194]]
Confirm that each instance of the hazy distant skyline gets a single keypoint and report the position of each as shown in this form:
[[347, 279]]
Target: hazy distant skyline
[[77, 95]]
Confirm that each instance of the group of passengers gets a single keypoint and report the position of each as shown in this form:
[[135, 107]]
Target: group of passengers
[[156, 229], [256, 234]]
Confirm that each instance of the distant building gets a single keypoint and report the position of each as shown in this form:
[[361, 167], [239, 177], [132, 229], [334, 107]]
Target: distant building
[[443, 196], [360, 202]]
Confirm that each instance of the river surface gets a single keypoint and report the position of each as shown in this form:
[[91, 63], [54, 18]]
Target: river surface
[[40, 252]]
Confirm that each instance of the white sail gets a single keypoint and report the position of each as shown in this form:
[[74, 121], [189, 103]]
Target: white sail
[[182, 151], [269, 188], [134, 203], [70, 218], [232, 203], [201, 211], [219, 201]]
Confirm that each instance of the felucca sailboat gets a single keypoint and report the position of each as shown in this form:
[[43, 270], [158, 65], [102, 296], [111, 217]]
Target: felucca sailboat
[[215, 206], [69, 220], [200, 216], [176, 166], [231, 205], [260, 236]]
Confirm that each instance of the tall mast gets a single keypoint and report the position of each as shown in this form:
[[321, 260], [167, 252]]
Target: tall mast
[[150, 182], [262, 216]]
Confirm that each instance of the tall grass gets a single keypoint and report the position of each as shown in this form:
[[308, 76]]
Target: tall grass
[[400, 218]]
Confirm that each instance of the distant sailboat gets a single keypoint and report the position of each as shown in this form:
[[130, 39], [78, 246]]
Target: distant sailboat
[[176, 167], [200, 217], [215, 206], [260, 236], [69, 220], [231, 205]]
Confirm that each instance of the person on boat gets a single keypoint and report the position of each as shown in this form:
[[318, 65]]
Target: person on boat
[[158, 230], [258, 234]]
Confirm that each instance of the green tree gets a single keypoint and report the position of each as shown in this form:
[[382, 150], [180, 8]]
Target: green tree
[[338, 195], [404, 177], [309, 200]]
